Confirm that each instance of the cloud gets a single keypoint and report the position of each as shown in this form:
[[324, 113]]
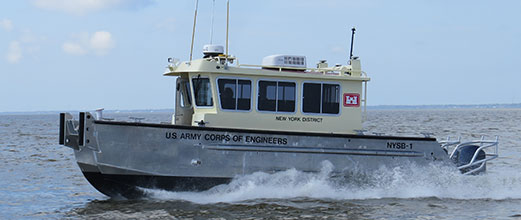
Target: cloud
[[73, 48], [25, 44], [14, 53], [82, 7], [100, 43], [6, 24]]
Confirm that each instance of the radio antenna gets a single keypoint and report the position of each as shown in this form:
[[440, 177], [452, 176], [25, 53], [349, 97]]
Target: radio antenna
[[193, 30], [227, 24], [352, 40], [213, 12]]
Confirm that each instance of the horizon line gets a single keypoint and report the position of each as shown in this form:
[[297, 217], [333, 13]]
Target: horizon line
[[369, 107]]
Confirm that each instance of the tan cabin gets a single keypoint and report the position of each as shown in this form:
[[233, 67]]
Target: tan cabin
[[281, 94]]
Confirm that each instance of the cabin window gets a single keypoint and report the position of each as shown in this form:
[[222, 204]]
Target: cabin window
[[311, 97], [186, 100], [202, 91], [321, 98], [330, 98], [286, 97], [235, 94], [276, 96]]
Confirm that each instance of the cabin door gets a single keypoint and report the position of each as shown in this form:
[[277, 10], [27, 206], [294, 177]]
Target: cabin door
[[183, 107]]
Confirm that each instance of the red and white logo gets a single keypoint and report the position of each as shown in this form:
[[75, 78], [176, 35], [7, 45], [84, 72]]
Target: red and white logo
[[351, 100]]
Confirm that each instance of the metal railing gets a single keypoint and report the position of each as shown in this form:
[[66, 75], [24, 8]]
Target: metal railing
[[333, 70], [482, 145]]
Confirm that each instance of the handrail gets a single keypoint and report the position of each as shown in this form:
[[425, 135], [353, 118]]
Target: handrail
[[280, 68], [225, 60], [483, 144], [329, 71], [490, 143]]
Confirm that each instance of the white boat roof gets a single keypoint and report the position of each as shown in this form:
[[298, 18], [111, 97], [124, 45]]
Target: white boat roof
[[223, 65]]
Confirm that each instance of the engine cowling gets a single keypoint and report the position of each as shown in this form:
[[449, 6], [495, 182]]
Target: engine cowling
[[463, 156]]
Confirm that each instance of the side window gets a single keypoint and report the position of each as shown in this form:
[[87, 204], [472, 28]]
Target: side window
[[311, 98], [235, 94], [276, 96], [330, 98], [286, 97], [186, 99], [321, 98], [267, 96], [202, 92], [243, 95], [227, 93]]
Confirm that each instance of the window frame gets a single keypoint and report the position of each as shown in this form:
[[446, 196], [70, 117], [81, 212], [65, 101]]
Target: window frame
[[276, 96], [194, 102], [188, 91], [237, 97], [321, 98]]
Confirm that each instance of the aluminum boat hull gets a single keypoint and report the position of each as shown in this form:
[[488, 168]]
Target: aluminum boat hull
[[119, 158]]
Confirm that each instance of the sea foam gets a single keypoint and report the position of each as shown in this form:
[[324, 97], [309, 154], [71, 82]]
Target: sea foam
[[407, 181]]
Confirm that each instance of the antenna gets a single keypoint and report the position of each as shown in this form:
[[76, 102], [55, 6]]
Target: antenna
[[213, 12], [227, 24], [193, 30], [352, 39]]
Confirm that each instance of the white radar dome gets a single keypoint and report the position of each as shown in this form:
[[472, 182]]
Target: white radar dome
[[212, 50]]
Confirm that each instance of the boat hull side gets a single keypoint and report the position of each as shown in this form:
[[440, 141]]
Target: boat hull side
[[128, 186], [193, 152], [120, 158]]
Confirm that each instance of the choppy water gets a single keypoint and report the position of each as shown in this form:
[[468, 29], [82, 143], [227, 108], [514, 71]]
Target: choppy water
[[39, 179]]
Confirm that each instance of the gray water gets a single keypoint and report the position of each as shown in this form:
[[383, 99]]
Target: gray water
[[40, 180]]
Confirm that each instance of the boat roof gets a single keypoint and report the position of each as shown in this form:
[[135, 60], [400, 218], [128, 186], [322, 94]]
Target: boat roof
[[225, 65]]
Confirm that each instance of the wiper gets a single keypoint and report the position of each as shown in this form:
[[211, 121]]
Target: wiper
[[198, 85]]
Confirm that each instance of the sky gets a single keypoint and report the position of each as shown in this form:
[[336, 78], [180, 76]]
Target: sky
[[87, 54]]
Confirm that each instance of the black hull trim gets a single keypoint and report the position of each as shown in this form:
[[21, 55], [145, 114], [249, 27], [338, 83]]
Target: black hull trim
[[126, 186]]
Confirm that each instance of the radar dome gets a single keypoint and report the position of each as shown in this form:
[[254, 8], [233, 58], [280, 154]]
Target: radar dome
[[212, 50]]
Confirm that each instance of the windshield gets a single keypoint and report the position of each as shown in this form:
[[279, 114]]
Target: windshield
[[186, 100], [202, 91]]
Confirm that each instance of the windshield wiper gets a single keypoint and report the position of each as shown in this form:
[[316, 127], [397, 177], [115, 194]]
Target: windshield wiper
[[198, 85]]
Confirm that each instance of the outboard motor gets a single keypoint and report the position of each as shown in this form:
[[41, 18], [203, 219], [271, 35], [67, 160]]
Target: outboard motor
[[471, 157], [462, 157]]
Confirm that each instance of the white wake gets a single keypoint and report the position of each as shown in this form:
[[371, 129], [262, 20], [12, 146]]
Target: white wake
[[408, 181]]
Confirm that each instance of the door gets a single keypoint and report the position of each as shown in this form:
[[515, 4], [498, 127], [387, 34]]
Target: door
[[183, 99]]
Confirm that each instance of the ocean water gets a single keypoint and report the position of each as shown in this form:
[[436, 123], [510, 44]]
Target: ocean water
[[40, 180]]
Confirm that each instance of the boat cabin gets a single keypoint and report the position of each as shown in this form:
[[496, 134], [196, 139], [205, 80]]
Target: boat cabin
[[281, 94]]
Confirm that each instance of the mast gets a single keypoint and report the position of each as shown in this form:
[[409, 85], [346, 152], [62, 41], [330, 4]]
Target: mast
[[352, 40], [227, 24], [213, 12], [193, 30]]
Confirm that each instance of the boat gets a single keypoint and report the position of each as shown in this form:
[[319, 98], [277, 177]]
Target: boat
[[235, 119]]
